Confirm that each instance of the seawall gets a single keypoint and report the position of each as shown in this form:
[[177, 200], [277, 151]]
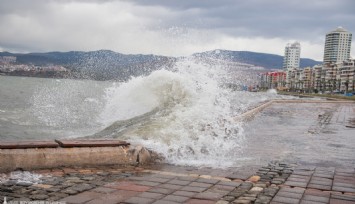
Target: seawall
[[30, 155]]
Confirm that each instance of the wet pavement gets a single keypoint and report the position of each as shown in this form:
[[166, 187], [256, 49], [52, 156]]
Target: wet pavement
[[308, 133], [311, 147], [274, 183]]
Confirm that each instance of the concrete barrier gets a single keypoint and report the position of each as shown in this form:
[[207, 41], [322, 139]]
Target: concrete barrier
[[45, 158], [252, 112]]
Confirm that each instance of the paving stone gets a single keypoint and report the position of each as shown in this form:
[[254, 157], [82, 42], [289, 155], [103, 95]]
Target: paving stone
[[170, 186], [198, 184], [347, 185], [155, 196], [184, 193], [310, 202], [70, 191], [344, 174], [296, 184], [39, 197], [81, 187], [112, 198], [320, 187], [187, 178], [208, 196], [241, 201], [165, 176], [158, 180], [176, 198], [81, 198], [179, 182], [302, 172], [285, 200], [229, 183], [343, 189], [317, 193], [130, 186], [104, 190], [329, 176], [343, 197], [141, 178], [148, 183], [139, 200], [222, 188], [316, 198], [321, 183], [292, 190], [161, 190], [289, 195], [198, 201], [222, 202], [204, 180], [337, 201], [193, 189], [165, 202], [344, 179]]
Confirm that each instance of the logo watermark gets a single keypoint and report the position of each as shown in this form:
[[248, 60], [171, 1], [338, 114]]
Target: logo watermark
[[32, 202]]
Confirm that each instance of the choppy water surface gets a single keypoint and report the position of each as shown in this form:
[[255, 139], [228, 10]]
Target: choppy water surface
[[186, 114]]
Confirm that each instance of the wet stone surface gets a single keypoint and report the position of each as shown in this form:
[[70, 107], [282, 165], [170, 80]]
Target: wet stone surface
[[275, 183]]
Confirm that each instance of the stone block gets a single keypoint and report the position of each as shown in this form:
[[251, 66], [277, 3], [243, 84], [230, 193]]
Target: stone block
[[148, 183], [81, 198], [130, 186], [199, 184], [198, 201], [170, 186], [289, 195], [184, 193], [320, 199], [320, 187], [161, 190], [343, 189], [176, 198], [151, 195], [135, 200], [296, 184], [285, 200], [179, 182], [193, 189]]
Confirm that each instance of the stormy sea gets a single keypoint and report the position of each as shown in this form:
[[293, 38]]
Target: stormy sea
[[185, 113]]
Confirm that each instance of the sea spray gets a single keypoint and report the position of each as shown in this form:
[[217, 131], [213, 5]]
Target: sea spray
[[194, 124]]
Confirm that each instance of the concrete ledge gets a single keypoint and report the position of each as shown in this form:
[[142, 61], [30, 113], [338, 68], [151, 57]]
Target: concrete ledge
[[45, 158], [252, 112], [91, 143], [28, 144]]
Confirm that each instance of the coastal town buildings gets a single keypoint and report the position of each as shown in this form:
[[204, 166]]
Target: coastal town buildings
[[337, 46], [291, 60], [292, 55], [336, 74]]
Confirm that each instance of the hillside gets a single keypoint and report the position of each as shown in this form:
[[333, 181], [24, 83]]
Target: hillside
[[268, 61], [100, 65], [106, 64]]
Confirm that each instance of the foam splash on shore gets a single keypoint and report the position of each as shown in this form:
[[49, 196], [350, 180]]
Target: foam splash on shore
[[194, 124], [21, 177]]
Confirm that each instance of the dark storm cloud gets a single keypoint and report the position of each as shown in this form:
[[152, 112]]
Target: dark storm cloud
[[277, 18], [171, 27]]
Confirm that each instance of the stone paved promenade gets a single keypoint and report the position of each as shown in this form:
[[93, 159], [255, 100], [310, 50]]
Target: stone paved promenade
[[275, 183]]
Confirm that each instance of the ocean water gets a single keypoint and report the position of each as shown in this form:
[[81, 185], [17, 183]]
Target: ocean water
[[185, 113]]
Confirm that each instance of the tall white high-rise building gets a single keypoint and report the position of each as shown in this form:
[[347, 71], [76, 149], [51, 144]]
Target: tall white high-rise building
[[337, 46], [292, 56]]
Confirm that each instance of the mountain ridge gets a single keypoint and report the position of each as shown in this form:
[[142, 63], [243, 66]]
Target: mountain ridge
[[107, 64]]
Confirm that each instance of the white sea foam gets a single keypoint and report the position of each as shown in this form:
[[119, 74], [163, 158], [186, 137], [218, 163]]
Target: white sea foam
[[195, 123], [21, 176]]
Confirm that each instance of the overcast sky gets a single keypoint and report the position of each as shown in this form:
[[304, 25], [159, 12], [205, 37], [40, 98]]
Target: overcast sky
[[172, 27]]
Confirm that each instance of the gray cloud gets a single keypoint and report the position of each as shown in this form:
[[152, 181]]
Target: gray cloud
[[171, 27]]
